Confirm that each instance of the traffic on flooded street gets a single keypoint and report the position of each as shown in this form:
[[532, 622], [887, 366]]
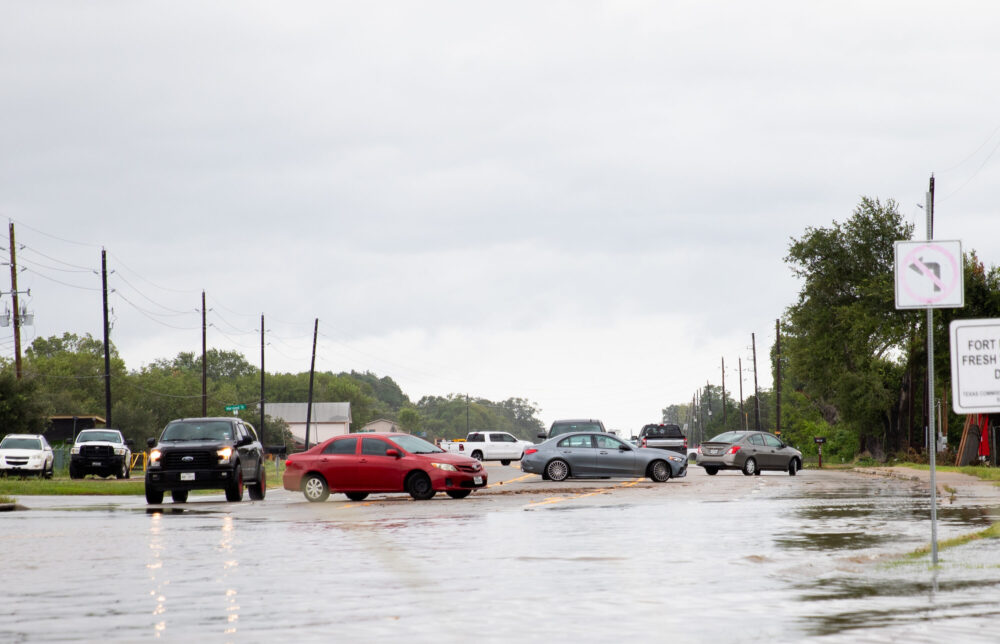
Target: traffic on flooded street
[[819, 555]]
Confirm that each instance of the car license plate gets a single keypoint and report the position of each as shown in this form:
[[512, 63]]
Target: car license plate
[[95, 463], [713, 452], [478, 480], [187, 476]]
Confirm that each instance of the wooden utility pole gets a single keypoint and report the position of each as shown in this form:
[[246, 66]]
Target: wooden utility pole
[[204, 360], [777, 377], [756, 393], [743, 418], [312, 373], [17, 311], [725, 418], [262, 376], [107, 343]]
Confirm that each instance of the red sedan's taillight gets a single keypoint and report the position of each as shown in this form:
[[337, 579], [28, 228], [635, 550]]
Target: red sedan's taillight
[[530, 450], [290, 464], [734, 449]]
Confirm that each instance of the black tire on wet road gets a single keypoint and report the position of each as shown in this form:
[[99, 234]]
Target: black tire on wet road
[[258, 489], [793, 467], [234, 491], [179, 496], [418, 484], [711, 471], [154, 497], [458, 494], [357, 496], [557, 470], [750, 467], [659, 471]]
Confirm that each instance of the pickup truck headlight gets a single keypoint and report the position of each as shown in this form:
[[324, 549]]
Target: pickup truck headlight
[[119, 451], [448, 467], [224, 455], [75, 449], [154, 458]]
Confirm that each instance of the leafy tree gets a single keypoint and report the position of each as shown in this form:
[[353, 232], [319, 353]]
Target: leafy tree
[[409, 420], [21, 411]]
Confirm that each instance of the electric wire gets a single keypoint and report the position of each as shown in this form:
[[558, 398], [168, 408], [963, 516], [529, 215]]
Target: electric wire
[[151, 317]]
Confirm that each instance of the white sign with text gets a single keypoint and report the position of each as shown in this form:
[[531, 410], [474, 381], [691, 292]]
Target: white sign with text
[[975, 366]]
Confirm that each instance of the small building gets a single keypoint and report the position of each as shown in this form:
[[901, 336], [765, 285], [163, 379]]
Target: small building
[[63, 429], [328, 419], [381, 425]]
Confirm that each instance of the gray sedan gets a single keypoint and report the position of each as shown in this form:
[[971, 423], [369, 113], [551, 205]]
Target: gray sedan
[[599, 455], [751, 452]]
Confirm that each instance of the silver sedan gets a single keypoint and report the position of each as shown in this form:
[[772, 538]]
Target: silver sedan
[[599, 455], [751, 452]]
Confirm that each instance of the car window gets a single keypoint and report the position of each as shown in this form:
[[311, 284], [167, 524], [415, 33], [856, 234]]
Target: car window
[[207, 430], [607, 442], [756, 439], [415, 445], [502, 438], [475, 438], [374, 446], [20, 443], [89, 435], [728, 437], [577, 441], [342, 446], [771, 441]]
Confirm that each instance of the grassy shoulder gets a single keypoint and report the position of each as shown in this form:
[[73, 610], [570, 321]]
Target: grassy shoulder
[[992, 532], [62, 485], [983, 473]]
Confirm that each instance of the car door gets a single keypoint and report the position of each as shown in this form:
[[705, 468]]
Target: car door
[[777, 458], [376, 470], [578, 450], [249, 456], [614, 458], [504, 446], [338, 463], [754, 446]]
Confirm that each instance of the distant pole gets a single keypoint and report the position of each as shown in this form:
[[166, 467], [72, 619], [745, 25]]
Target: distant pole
[[930, 389], [204, 360], [777, 376], [262, 376], [725, 417], [107, 344], [743, 418], [17, 311], [312, 373], [467, 430], [708, 392], [756, 393]]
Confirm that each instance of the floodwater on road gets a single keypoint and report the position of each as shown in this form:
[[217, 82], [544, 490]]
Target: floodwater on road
[[771, 558]]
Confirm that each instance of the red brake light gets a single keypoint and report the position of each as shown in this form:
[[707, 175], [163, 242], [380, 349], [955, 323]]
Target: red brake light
[[461, 446], [734, 449], [643, 442], [530, 450]]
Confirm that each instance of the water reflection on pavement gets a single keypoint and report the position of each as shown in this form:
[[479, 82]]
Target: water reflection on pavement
[[770, 558]]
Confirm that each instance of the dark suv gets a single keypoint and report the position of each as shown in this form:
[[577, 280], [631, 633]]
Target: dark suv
[[663, 437], [205, 453], [573, 425]]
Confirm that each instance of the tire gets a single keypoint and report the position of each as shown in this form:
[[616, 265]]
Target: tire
[[357, 496], [750, 467], [711, 471], [557, 470], [793, 467], [419, 486], [315, 489], [545, 477], [74, 472], [505, 461], [458, 494], [234, 491], [659, 471], [179, 496], [128, 472], [154, 497], [51, 471], [477, 455], [258, 489], [123, 472]]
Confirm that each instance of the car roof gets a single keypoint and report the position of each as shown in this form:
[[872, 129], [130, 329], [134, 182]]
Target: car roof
[[24, 436]]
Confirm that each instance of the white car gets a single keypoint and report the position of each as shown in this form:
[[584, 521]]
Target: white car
[[26, 454]]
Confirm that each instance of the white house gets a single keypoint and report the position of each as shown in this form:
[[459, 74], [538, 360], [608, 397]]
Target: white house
[[328, 419], [381, 425]]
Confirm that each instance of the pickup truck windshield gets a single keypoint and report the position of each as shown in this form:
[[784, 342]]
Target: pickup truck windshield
[[108, 437], [210, 430], [566, 428]]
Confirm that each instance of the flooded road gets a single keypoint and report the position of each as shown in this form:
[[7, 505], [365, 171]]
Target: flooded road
[[702, 559]]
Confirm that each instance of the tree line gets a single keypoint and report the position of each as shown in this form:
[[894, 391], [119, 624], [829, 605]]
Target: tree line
[[64, 375], [854, 368]]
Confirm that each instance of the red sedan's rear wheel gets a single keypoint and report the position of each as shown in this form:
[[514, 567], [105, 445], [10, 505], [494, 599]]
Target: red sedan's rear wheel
[[315, 489]]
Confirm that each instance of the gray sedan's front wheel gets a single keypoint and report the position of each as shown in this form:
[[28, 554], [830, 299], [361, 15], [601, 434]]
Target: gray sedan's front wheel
[[557, 470], [793, 467], [659, 471]]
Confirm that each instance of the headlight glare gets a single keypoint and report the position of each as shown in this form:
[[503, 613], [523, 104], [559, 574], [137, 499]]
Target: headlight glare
[[448, 467], [224, 454], [154, 457]]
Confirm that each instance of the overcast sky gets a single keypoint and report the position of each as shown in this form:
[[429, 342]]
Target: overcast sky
[[585, 204]]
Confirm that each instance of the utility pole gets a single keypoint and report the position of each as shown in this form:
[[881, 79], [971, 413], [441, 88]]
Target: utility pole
[[17, 310], [708, 392], [262, 376], [932, 433], [743, 418], [107, 343], [467, 430], [312, 373], [756, 394], [725, 418], [204, 360], [777, 376]]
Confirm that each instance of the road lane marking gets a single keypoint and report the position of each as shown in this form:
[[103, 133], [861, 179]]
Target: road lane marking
[[559, 499], [520, 478]]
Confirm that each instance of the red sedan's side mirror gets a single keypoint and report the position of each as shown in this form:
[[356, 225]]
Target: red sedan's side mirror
[[393, 452]]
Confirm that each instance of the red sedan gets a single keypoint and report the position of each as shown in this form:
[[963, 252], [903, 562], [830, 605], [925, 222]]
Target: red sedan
[[359, 464]]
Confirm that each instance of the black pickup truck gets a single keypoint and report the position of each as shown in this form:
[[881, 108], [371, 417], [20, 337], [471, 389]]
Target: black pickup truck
[[663, 436]]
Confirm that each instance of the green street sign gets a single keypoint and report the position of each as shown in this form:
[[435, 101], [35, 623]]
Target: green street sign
[[235, 407]]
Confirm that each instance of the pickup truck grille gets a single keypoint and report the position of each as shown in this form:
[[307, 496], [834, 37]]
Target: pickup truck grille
[[96, 451], [185, 460]]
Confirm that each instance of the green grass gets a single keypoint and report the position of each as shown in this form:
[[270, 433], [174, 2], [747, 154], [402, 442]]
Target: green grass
[[992, 532], [983, 473], [6, 499]]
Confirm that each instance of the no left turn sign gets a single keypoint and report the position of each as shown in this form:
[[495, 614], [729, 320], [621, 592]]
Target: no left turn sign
[[929, 275]]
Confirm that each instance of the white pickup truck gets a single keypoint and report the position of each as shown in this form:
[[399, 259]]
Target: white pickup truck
[[489, 446]]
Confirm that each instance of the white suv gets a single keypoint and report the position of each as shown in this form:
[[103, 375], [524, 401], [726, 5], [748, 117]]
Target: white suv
[[26, 454]]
